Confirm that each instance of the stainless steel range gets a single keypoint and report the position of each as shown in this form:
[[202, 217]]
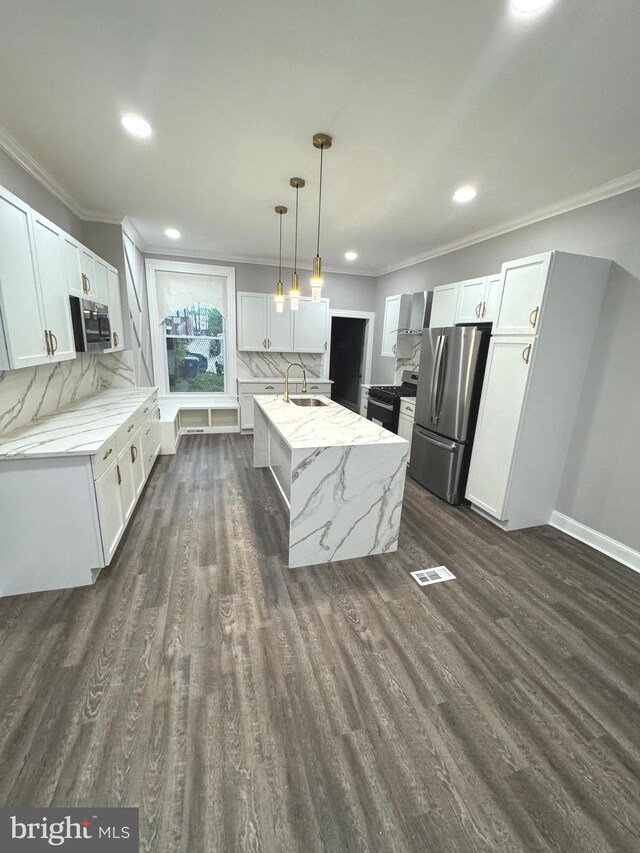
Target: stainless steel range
[[384, 401]]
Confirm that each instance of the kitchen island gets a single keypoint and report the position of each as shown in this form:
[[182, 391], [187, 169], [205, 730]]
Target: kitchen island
[[341, 476]]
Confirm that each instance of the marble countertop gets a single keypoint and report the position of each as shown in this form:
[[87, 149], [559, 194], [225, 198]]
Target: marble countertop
[[79, 429], [265, 380], [322, 426]]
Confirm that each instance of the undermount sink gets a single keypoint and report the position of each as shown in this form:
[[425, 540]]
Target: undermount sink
[[307, 401]]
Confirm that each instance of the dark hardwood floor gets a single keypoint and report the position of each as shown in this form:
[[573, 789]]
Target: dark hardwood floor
[[245, 706]]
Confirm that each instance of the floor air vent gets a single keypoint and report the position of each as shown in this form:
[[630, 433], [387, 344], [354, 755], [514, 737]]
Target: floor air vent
[[424, 577]]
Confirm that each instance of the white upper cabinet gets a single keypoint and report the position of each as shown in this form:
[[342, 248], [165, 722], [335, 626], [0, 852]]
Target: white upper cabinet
[[22, 332], [48, 243], [73, 270], [252, 322], [443, 307], [311, 326], [100, 292], [115, 310], [492, 298], [279, 327], [88, 273], [523, 287], [470, 303], [261, 328], [390, 325]]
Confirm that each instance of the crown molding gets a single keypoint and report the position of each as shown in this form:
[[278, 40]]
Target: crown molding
[[170, 251], [604, 191], [37, 171]]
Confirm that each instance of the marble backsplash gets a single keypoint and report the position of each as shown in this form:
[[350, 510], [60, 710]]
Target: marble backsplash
[[258, 365], [412, 362], [32, 392]]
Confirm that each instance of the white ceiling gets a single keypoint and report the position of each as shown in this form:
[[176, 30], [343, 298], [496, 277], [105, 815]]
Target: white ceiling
[[421, 96]]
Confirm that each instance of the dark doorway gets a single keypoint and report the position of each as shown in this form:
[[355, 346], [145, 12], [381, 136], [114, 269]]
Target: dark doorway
[[345, 365]]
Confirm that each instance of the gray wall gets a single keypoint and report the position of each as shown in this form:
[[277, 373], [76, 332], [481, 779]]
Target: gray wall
[[22, 184], [346, 291], [602, 473]]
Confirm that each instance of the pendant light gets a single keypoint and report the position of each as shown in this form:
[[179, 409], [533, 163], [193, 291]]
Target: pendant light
[[322, 141], [279, 297], [294, 293]]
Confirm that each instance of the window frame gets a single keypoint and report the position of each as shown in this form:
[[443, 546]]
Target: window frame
[[157, 333]]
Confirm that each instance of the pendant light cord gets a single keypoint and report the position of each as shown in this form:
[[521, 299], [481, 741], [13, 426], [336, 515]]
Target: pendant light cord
[[280, 253], [320, 199], [295, 244]]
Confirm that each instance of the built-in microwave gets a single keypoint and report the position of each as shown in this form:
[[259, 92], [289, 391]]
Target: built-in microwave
[[91, 326]]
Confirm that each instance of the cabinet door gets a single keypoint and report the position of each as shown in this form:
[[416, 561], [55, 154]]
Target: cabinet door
[[21, 310], [115, 310], [71, 261], [390, 325], [136, 460], [492, 298], [53, 287], [88, 271], [405, 427], [127, 483], [108, 494], [503, 392], [523, 284], [310, 324], [470, 300], [101, 279], [443, 307], [246, 411], [252, 322], [279, 327]]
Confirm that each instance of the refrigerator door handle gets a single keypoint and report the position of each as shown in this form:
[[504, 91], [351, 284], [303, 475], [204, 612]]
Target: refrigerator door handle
[[434, 376], [443, 445], [436, 394]]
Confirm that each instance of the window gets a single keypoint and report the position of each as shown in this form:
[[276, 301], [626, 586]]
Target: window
[[192, 313], [194, 338]]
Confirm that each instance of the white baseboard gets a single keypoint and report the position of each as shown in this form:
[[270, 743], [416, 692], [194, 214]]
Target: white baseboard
[[605, 544]]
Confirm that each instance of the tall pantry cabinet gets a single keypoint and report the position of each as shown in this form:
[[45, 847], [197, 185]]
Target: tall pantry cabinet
[[536, 366]]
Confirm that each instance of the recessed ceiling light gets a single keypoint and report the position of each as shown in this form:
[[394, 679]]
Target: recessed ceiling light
[[530, 7], [173, 233], [351, 256], [464, 194], [136, 125]]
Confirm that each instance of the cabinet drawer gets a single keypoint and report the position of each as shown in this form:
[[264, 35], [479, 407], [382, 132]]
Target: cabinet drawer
[[318, 387], [127, 432], [275, 387], [149, 430], [101, 461], [407, 410]]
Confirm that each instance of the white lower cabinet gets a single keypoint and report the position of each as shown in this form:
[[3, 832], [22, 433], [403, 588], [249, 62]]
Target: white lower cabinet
[[506, 376], [406, 420], [112, 520]]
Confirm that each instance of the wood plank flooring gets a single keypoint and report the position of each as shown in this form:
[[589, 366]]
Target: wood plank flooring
[[245, 706]]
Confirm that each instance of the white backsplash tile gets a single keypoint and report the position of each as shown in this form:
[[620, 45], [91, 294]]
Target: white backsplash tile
[[257, 365], [32, 392]]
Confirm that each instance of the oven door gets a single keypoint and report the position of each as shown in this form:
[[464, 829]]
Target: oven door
[[380, 413], [97, 328]]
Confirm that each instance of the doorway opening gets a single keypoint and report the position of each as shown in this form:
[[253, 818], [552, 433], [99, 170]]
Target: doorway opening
[[346, 364]]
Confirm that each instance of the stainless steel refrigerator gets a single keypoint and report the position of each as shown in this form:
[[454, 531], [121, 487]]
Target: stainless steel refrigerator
[[452, 362]]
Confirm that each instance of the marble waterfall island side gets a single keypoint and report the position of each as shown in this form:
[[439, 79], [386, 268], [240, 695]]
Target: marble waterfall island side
[[341, 476]]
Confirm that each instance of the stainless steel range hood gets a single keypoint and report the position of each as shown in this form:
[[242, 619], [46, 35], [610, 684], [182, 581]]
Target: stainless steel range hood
[[415, 312]]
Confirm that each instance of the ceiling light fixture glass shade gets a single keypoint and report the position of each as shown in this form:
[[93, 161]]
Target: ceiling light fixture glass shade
[[136, 125], [294, 293], [279, 297], [322, 141], [530, 7]]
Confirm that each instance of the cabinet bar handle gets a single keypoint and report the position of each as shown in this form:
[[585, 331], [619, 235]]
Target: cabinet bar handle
[[53, 338], [314, 386], [47, 342], [526, 354], [148, 431], [484, 309], [393, 348], [264, 343], [267, 387], [131, 427], [134, 453], [325, 347], [478, 307], [116, 339], [146, 410], [533, 317], [108, 453], [86, 284], [119, 475]]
